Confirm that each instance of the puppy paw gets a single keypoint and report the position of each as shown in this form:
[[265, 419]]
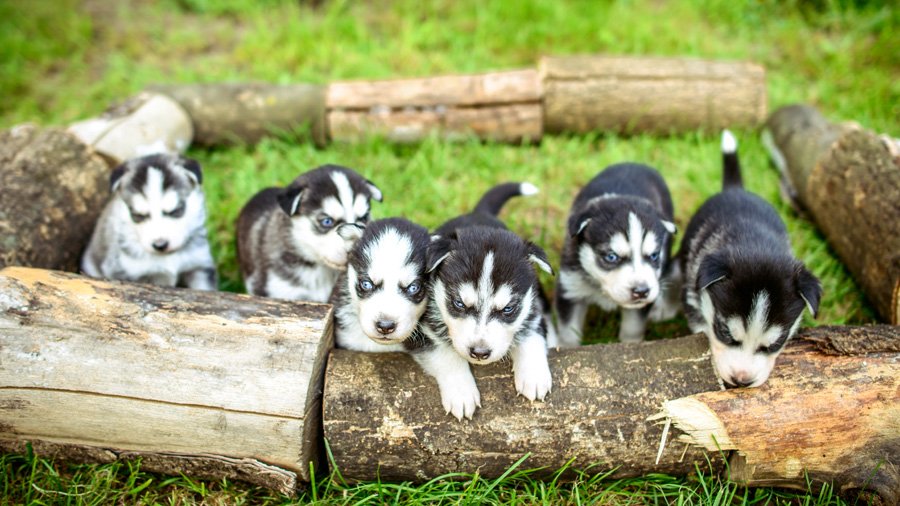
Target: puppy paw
[[533, 380], [461, 399]]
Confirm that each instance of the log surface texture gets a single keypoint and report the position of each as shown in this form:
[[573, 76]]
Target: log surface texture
[[848, 180], [656, 95], [500, 106], [383, 415], [52, 188], [244, 113], [142, 370], [829, 413]]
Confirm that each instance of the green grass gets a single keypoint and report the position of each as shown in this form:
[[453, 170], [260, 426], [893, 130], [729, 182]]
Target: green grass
[[65, 60]]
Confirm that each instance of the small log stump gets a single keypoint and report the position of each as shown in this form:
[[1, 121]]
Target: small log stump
[[830, 413], [223, 385], [848, 180], [52, 188], [244, 113], [656, 95], [384, 420], [500, 106]]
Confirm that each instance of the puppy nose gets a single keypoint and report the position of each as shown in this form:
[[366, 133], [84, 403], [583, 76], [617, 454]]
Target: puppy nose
[[640, 292], [160, 244], [742, 381], [479, 353], [386, 326]]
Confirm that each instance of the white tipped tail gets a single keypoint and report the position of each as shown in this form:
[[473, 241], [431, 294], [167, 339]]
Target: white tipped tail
[[729, 143], [528, 189]]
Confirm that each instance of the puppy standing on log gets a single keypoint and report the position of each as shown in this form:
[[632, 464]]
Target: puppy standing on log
[[486, 304], [379, 299], [743, 287], [154, 227], [293, 242], [617, 253]]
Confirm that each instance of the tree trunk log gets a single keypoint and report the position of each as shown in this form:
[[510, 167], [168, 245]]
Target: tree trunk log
[[500, 106], [52, 188], [655, 95], [830, 413], [848, 180], [244, 113], [383, 415], [140, 370], [144, 124]]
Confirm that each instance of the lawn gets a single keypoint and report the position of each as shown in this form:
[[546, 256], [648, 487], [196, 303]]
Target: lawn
[[65, 60]]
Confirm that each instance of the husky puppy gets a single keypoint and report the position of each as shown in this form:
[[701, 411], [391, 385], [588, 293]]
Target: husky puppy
[[620, 237], [153, 229], [743, 287], [485, 305], [379, 299], [293, 242]]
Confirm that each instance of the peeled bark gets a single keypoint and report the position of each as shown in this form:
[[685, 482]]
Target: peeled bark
[[52, 188], [848, 180]]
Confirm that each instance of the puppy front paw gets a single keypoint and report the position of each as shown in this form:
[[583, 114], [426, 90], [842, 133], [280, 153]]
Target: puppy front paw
[[533, 380], [460, 399]]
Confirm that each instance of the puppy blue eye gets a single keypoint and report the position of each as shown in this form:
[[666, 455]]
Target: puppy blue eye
[[413, 288], [611, 257], [654, 256], [366, 285], [509, 309], [459, 304], [326, 222], [138, 217]]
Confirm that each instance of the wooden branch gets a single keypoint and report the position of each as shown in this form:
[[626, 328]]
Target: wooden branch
[[52, 188], [824, 417], [848, 180], [157, 372], [144, 124], [244, 113], [383, 415], [656, 95], [500, 106]]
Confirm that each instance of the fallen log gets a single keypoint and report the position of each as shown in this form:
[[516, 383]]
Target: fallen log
[[655, 95], [848, 180], [52, 188], [218, 384], [383, 416], [244, 113], [499, 106], [829, 414]]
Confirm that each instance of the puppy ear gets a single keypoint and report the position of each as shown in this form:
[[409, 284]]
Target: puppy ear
[[438, 250], [810, 290], [193, 168], [669, 226], [115, 178], [289, 199], [539, 257], [577, 224], [376, 193], [713, 268]]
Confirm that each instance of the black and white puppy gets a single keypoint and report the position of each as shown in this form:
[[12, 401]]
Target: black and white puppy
[[617, 252], [743, 287], [293, 242], [485, 305], [379, 299], [153, 229]]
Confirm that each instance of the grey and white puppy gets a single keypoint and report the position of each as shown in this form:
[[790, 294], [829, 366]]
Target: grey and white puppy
[[617, 253], [293, 242], [153, 229]]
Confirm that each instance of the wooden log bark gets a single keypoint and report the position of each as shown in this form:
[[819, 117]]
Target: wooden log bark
[[383, 416], [145, 124], [848, 180], [500, 106], [52, 188], [185, 379], [244, 113], [655, 95], [830, 413]]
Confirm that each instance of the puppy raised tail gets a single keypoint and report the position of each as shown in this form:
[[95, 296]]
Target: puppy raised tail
[[493, 200], [731, 167]]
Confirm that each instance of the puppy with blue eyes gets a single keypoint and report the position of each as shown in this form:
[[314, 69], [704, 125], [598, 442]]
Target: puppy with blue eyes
[[153, 229], [293, 242], [379, 299], [743, 287], [617, 253]]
